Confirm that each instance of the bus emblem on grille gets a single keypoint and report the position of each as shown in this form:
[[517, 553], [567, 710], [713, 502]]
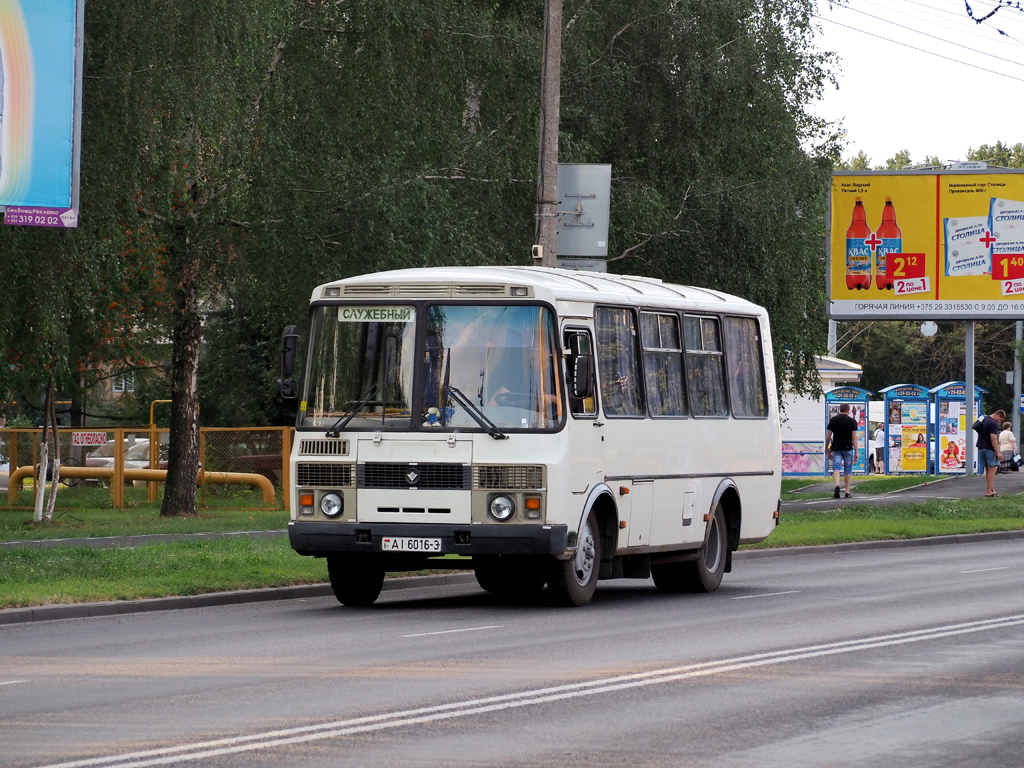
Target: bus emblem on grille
[[412, 476]]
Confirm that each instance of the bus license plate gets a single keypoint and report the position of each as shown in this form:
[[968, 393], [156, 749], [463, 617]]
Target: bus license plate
[[407, 544]]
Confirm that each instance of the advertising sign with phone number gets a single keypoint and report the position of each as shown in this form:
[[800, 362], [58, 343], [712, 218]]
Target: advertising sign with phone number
[[936, 244], [40, 85]]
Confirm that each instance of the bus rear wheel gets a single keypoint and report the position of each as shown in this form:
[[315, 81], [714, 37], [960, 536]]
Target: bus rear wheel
[[356, 579], [703, 574], [573, 582]]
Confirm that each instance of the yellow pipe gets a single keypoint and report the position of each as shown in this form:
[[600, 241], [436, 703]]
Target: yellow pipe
[[152, 424], [159, 475]]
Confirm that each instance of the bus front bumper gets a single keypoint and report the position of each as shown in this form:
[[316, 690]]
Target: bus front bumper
[[318, 539]]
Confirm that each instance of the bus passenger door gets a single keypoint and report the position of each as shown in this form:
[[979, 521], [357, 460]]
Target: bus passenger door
[[584, 454]]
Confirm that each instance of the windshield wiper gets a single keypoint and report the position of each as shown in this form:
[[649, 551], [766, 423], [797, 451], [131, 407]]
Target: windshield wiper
[[477, 414], [335, 431]]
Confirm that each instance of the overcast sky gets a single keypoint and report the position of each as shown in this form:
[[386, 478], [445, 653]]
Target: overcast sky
[[897, 93]]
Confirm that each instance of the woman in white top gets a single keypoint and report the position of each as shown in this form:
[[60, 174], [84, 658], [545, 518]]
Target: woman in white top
[[1007, 448], [879, 449]]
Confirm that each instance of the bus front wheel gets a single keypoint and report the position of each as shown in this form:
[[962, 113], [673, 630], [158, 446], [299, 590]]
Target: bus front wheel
[[703, 574], [356, 579], [572, 582]]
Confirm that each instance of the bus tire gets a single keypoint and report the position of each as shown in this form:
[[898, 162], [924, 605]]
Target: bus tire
[[356, 580], [572, 582], [703, 574]]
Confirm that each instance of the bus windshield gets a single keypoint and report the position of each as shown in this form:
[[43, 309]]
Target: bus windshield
[[360, 370], [483, 367], [501, 359]]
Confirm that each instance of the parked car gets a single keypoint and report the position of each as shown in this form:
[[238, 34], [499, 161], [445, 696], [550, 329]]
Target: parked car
[[136, 455], [268, 465], [5, 472]]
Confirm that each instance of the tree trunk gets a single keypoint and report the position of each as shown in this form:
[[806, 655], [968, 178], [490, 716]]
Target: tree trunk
[[183, 449]]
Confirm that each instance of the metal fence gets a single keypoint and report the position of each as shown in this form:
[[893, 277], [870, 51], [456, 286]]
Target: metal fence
[[245, 465]]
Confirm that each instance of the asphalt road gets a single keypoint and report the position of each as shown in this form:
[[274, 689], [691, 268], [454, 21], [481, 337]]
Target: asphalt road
[[901, 657]]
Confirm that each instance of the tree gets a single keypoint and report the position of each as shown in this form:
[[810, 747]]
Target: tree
[[233, 161], [999, 154], [896, 352], [858, 162], [702, 111], [899, 161], [182, 104]]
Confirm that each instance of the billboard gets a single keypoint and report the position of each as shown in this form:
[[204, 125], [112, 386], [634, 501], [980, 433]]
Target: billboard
[[946, 244], [40, 88]]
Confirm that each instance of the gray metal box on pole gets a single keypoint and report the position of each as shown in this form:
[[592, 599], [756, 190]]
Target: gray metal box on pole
[[584, 192]]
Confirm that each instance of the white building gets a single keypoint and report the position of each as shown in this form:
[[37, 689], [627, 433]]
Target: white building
[[803, 418]]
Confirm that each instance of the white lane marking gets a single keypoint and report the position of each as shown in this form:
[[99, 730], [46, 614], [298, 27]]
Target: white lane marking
[[766, 594], [986, 570], [453, 631], [370, 723], [12, 682]]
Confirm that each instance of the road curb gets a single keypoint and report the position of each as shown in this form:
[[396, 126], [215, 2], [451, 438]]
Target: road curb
[[211, 599], [863, 546], [238, 597]]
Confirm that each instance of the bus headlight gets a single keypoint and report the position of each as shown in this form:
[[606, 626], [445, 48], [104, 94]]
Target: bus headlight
[[331, 504], [502, 507]]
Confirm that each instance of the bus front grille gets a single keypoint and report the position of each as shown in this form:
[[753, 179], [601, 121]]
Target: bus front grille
[[324, 475], [507, 478], [436, 477]]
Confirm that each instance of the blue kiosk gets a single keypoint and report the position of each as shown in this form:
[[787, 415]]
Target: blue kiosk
[[949, 448], [857, 399], [907, 429]]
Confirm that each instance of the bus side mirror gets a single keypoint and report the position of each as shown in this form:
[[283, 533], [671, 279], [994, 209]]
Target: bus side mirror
[[582, 376], [289, 348]]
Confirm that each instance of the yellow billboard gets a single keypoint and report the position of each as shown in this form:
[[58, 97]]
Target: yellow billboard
[[938, 244]]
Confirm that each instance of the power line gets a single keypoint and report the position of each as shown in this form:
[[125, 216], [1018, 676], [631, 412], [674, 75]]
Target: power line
[[934, 37], [921, 50], [939, 17]]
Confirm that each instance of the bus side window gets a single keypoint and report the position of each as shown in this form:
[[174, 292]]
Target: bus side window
[[663, 364], [746, 367], [580, 350], [705, 377], [618, 362]]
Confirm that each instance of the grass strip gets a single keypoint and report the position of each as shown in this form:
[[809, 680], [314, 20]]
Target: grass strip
[[83, 574], [895, 521], [85, 523]]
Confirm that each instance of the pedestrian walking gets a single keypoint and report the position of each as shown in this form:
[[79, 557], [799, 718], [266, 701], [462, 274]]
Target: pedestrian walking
[[841, 446]]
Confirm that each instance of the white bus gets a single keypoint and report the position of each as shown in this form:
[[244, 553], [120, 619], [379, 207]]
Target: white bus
[[553, 427]]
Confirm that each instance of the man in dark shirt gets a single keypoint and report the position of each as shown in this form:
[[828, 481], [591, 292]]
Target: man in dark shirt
[[841, 446], [988, 449]]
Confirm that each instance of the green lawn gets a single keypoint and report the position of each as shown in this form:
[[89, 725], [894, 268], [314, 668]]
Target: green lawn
[[896, 521], [76, 523]]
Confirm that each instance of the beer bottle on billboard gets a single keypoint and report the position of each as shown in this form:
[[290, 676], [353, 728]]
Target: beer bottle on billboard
[[891, 242], [858, 252]]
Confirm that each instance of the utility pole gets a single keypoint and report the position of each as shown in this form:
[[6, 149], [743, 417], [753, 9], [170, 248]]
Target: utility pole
[[546, 227]]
